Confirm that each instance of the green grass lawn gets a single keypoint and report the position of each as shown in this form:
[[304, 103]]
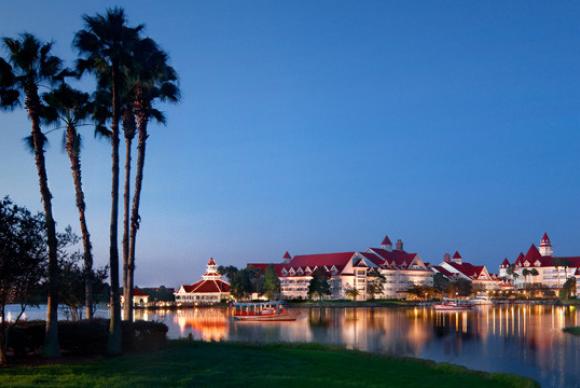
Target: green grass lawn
[[242, 365], [572, 330]]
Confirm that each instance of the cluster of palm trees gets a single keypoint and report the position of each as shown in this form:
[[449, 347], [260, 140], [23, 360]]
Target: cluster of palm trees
[[132, 75]]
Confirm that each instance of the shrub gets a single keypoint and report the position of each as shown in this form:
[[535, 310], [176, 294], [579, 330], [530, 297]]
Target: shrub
[[142, 336], [86, 337]]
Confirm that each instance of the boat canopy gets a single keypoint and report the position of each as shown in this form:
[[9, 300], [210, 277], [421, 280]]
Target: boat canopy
[[258, 304]]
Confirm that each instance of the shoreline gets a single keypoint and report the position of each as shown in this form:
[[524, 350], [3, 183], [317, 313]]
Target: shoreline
[[366, 304]]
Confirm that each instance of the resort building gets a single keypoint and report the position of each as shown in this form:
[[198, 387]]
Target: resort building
[[541, 267], [353, 270], [453, 268], [210, 289], [140, 298]]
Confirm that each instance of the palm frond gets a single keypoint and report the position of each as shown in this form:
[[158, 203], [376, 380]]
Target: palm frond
[[29, 142], [158, 116], [102, 132]]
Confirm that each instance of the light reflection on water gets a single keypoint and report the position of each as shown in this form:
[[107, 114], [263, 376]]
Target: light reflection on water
[[522, 339]]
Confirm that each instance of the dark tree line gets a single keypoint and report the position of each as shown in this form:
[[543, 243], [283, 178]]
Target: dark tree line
[[24, 266]]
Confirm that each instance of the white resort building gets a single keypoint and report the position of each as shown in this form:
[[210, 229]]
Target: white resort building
[[453, 268], [353, 270], [210, 289], [550, 271]]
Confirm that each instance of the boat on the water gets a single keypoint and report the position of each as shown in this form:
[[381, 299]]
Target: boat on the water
[[453, 305], [262, 311], [481, 300]]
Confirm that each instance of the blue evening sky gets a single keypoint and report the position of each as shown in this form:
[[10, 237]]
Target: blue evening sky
[[319, 126]]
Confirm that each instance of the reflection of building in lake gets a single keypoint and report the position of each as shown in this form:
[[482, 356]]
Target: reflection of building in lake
[[353, 270], [207, 324], [210, 289], [380, 330]]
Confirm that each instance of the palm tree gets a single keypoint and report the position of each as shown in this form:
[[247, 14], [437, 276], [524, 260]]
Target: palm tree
[[72, 108], [30, 64], [106, 46], [128, 118], [152, 80], [351, 293], [525, 273]]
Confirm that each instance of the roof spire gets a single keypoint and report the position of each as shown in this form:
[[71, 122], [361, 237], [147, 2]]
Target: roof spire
[[387, 244]]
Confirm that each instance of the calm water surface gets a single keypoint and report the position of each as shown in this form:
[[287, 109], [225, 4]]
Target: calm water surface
[[521, 339]]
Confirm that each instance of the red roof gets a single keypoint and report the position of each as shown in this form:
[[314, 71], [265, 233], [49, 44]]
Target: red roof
[[323, 259], [211, 261], [287, 255], [373, 257], [395, 257], [468, 269], [443, 271], [207, 286], [386, 241], [305, 262], [138, 292], [533, 254], [457, 255], [505, 262], [545, 240]]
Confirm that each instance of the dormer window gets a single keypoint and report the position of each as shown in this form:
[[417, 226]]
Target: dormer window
[[292, 272], [300, 271], [526, 263], [537, 263], [284, 272]]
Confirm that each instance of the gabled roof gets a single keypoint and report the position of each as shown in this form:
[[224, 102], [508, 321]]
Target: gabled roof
[[207, 286], [139, 292], [443, 271], [395, 257], [505, 263], [457, 255], [373, 257], [386, 241], [287, 255], [545, 240], [468, 269], [339, 260], [211, 261], [533, 254]]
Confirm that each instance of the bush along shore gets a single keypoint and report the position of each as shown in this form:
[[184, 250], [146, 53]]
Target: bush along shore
[[187, 363], [24, 340]]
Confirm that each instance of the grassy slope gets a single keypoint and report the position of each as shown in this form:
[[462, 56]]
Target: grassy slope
[[222, 364]]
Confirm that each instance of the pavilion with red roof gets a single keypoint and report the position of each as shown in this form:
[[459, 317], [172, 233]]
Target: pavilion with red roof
[[210, 289]]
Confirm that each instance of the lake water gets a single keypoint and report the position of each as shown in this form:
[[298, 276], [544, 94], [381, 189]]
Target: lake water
[[522, 339]]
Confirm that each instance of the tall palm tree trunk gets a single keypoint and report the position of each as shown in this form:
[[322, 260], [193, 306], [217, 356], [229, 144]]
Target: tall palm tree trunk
[[135, 219], [129, 129], [32, 104], [75, 166], [114, 342], [3, 357]]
